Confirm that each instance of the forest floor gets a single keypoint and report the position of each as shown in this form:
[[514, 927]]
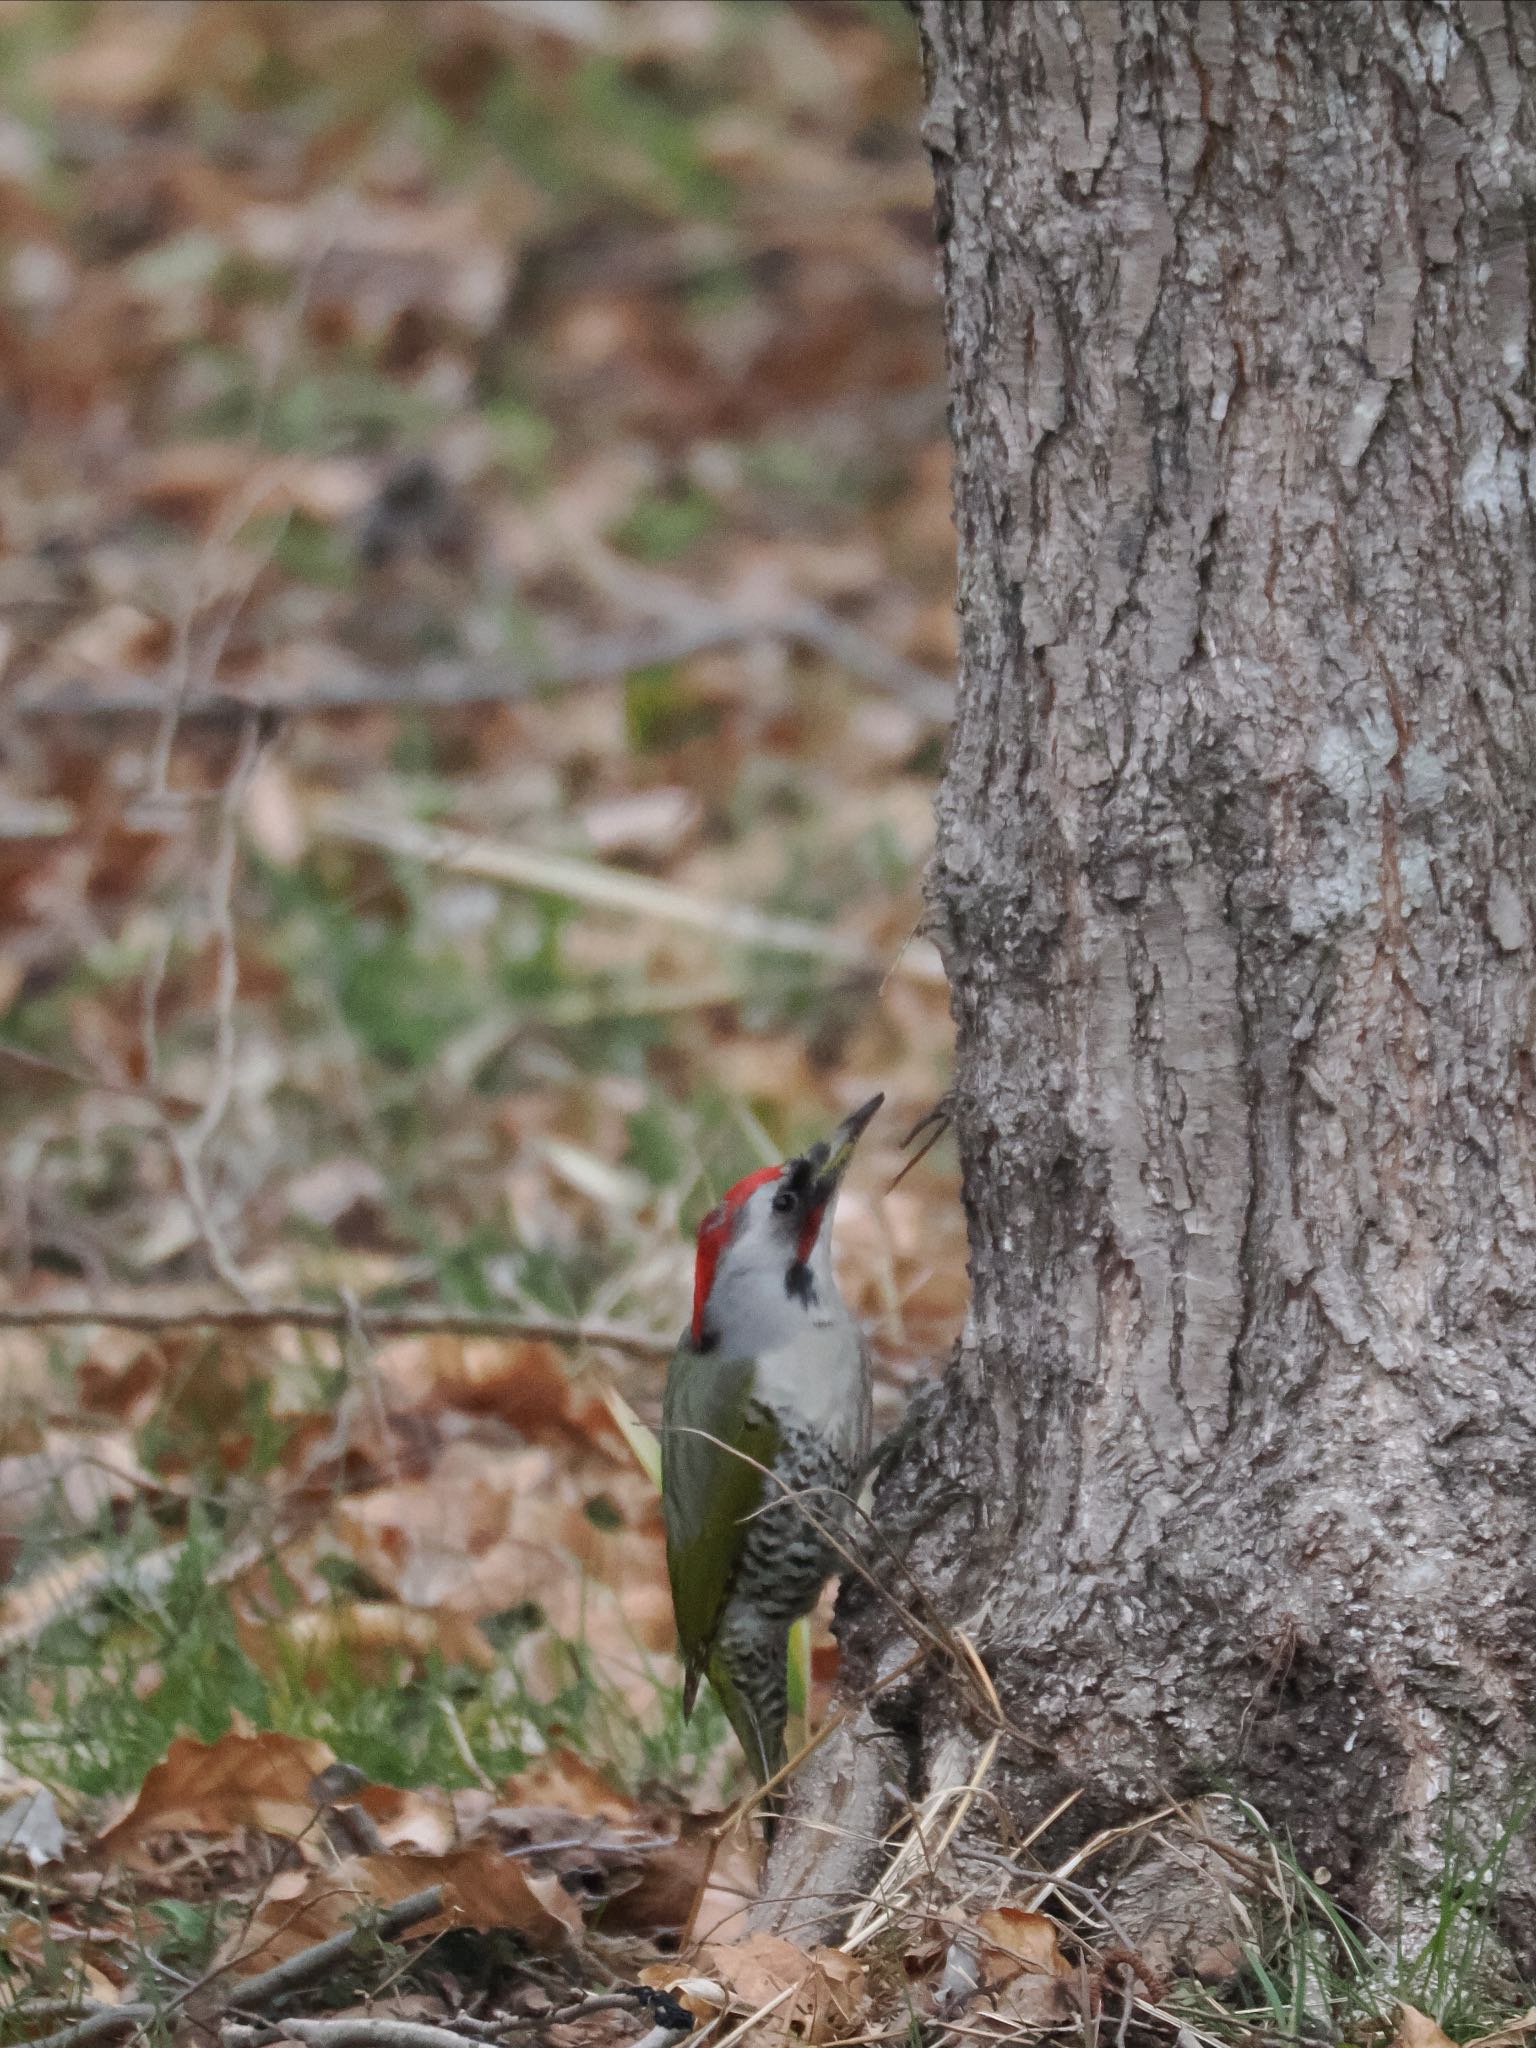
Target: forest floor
[[476, 586]]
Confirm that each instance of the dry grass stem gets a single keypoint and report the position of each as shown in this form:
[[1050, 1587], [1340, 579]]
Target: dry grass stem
[[616, 890]]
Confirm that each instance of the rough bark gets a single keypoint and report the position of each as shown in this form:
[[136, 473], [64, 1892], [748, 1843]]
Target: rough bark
[[1233, 1480]]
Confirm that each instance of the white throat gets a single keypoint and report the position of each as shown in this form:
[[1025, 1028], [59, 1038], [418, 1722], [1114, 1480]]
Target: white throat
[[806, 1345], [751, 1306]]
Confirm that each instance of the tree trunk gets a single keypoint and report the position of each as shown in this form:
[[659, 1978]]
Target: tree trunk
[[1233, 1480]]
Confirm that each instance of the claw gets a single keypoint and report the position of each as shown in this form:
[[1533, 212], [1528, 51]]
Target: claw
[[939, 1118]]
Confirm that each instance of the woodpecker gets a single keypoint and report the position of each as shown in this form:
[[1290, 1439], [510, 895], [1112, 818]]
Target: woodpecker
[[767, 1407]]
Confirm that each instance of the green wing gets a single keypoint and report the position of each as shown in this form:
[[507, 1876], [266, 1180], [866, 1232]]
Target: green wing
[[713, 1442]]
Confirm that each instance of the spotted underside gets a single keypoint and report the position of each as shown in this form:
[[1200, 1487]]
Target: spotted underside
[[785, 1561]]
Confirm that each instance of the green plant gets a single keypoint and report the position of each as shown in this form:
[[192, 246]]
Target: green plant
[[1314, 1973]]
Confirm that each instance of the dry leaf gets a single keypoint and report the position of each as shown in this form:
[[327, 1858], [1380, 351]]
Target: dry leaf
[[1416, 2029], [562, 1778], [826, 1986], [701, 1996], [1033, 2002], [481, 1889], [69, 1480], [650, 822], [421, 1820], [1017, 1942], [374, 1636], [30, 1827], [700, 1884], [212, 1788], [51, 1945]]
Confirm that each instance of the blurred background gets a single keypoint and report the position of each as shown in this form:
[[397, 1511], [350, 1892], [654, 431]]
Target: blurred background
[[536, 407]]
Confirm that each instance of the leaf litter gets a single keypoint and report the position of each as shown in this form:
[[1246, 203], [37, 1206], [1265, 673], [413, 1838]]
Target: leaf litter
[[477, 611], [537, 412]]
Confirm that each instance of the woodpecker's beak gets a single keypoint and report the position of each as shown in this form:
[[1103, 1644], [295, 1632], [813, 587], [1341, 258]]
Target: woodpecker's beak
[[842, 1141]]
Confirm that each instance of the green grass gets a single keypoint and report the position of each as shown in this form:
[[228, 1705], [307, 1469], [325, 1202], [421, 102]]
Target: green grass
[[667, 524], [1314, 1973], [96, 1702], [413, 1034]]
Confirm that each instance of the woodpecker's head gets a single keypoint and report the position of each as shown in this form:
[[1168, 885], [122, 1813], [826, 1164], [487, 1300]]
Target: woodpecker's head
[[765, 1249]]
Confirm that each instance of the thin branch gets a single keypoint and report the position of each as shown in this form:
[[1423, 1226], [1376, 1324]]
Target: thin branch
[[100, 2026], [23, 2009], [870, 659], [353, 2033], [81, 1077], [386, 2031], [582, 2008], [187, 1145], [435, 685], [446, 686], [144, 1312], [263, 1990], [258, 1993]]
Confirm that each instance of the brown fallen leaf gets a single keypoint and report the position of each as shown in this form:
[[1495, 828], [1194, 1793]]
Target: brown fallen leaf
[[423, 1820], [481, 1889], [212, 1788], [30, 1828], [49, 1945], [561, 1777], [374, 1636], [1416, 2029], [825, 1986], [1017, 1943], [479, 1535], [1031, 2002], [698, 1884], [69, 1478], [701, 1996]]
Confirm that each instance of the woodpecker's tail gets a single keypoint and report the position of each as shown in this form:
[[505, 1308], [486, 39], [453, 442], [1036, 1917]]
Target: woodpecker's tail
[[749, 1674]]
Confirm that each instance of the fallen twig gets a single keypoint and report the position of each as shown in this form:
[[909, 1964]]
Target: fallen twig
[[858, 651], [435, 685], [49, 2008], [635, 1998], [677, 605], [188, 1143], [81, 1077], [607, 888], [110, 2021], [389, 2032], [257, 1993], [147, 1313], [473, 685], [351, 2033]]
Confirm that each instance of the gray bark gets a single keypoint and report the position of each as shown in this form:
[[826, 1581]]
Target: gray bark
[[1234, 1476]]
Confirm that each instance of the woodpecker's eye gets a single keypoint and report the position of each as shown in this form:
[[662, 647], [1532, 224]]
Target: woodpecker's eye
[[784, 1200]]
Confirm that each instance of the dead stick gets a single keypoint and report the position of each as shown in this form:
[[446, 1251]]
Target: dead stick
[[257, 1993], [146, 1314], [433, 686], [452, 685], [100, 2026], [379, 2033], [388, 2032]]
